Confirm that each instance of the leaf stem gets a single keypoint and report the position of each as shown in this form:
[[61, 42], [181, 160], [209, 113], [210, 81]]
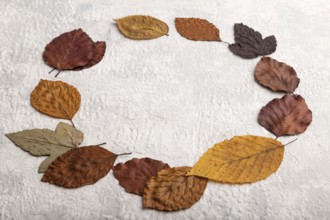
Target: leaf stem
[[57, 73], [290, 142], [51, 70], [225, 42], [101, 144], [124, 154]]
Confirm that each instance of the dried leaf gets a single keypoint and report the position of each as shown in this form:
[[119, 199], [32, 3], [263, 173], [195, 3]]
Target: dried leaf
[[141, 27], [69, 50], [243, 159], [197, 29], [249, 43], [44, 142], [276, 75], [79, 167], [134, 174], [173, 190], [286, 116], [56, 98], [100, 47]]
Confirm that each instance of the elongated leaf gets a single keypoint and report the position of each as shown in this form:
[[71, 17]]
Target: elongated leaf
[[173, 190], [142, 27], [286, 116], [80, 166], [56, 98], [276, 75], [44, 142], [133, 174], [197, 29], [250, 44], [243, 159]]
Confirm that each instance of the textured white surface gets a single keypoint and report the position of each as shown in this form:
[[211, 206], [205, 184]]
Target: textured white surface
[[169, 99]]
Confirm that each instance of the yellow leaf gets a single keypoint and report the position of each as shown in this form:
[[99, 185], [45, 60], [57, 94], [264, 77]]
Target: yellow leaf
[[56, 98], [141, 27], [243, 159]]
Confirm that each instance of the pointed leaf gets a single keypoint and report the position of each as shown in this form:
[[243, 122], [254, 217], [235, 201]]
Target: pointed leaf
[[249, 43], [243, 159], [197, 29], [133, 174], [80, 166], [69, 50], [276, 75], [286, 116], [100, 47], [44, 142], [141, 27], [56, 98], [173, 190]]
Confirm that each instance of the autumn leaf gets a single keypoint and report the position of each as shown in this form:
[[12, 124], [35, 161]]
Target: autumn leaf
[[133, 174], [250, 44], [173, 190], [243, 159], [141, 27], [73, 50], [80, 166], [45, 142], [56, 98], [197, 29], [276, 75], [286, 116]]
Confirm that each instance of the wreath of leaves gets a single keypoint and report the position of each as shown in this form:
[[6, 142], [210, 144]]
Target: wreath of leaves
[[240, 160]]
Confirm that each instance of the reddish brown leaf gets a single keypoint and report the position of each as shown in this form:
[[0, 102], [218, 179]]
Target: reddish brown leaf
[[173, 190], [286, 116], [134, 174], [197, 29], [250, 44], [69, 50], [276, 75], [100, 47], [80, 166]]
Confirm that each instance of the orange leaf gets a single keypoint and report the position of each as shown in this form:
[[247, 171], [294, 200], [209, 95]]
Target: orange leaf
[[173, 190], [80, 166], [56, 98]]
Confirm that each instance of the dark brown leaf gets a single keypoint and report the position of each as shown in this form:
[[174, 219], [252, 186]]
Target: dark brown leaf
[[173, 190], [80, 166], [69, 50], [249, 43], [276, 75], [100, 47], [286, 116], [197, 29], [134, 174]]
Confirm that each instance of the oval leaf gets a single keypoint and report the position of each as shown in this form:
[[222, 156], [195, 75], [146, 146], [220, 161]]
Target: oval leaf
[[69, 50], [197, 29], [141, 27], [44, 142], [100, 47], [56, 98], [249, 43], [243, 159], [80, 166], [173, 190], [286, 116], [276, 75], [133, 174]]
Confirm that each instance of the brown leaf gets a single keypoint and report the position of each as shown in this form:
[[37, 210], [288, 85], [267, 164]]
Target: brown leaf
[[173, 190], [197, 29], [134, 174], [80, 166], [276, 75], [100, 47], [249, 43], [286, 116], [242, 159], [56, 98], [69, 50]]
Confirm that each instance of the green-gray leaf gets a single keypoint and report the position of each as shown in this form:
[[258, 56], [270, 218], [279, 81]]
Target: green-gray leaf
[[45, 142]]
